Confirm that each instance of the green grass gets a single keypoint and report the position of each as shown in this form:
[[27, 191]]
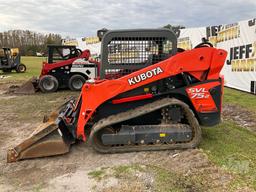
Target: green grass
[[166, 180], [233, 148], [98, 174], [240, 98], [126, 170], [34, 66], [29, 108]]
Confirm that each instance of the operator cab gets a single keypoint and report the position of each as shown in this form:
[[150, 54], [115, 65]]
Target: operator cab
[[126, 51], [5, 56], [58, 53]]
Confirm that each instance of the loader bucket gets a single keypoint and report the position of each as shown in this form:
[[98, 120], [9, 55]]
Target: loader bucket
[[29, 87], [46, 140]]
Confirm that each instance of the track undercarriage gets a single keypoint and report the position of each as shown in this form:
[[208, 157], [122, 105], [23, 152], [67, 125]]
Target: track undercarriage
[[107, 138]]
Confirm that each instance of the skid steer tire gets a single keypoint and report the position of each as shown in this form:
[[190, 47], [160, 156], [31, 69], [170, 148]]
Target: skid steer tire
[[21, 68], [76, 82], [48, 83]]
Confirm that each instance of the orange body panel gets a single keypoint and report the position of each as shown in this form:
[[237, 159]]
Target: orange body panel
[[201, 97], [196, 62]]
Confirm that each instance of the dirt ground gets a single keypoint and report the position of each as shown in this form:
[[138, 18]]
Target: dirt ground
[[239, 115], [86, 170]]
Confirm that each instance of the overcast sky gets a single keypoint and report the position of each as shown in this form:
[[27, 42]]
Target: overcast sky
[[78, 18]]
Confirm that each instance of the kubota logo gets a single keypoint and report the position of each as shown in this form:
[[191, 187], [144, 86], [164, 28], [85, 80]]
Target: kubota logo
[[199, 93], [143, 76]]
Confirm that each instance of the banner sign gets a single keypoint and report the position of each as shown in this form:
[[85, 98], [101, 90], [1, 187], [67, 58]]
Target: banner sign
[[239, 40]]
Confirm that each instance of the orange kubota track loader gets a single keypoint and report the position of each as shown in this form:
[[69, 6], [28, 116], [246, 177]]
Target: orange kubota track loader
[[150, 96]]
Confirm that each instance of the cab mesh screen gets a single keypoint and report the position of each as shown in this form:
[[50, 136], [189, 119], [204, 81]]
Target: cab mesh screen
[[135, 51]]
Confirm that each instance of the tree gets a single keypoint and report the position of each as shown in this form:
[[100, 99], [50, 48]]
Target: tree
[[28, 42]]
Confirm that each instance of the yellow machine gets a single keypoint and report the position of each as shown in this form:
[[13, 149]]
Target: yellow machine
[[10, 60]]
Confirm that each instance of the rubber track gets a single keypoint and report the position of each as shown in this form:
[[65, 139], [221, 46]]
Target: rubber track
[[142, 110]]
